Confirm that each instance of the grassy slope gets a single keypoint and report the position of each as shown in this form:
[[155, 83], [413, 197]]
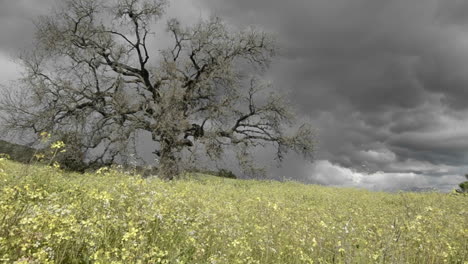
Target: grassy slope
[[50, 216], [17, 152]]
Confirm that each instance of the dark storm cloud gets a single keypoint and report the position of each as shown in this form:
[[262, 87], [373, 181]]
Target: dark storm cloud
[[372, 53], [17, 32], [16, 22], [453, 12], [385, 82]]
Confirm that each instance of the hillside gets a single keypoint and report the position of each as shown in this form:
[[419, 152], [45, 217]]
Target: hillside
[[48, 216], [17, 152]]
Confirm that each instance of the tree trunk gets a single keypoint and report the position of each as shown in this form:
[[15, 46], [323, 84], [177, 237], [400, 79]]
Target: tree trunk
[[168, 165]]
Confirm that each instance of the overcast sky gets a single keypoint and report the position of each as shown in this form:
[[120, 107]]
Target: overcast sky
[[384, 82]]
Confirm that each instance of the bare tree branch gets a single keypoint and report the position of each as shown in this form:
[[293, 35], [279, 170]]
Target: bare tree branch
[[91, 74]]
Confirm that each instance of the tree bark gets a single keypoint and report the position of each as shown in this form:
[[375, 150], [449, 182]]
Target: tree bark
[[168, 164]]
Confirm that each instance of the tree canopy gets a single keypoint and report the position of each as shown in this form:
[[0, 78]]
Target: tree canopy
[[96, 73]]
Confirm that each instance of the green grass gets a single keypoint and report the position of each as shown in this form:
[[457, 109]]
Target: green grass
[[47, 216]]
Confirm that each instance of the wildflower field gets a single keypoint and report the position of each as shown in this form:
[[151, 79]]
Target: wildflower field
[[48, 216]]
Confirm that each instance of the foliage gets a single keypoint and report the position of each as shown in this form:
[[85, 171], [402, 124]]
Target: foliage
[[95, 71], [48, 216], [17, 152], [71, 157], [463, 186], [226, 174], [62, 150]]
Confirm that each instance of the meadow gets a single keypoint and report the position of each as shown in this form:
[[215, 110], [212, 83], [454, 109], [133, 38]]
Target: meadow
[[50, 216]]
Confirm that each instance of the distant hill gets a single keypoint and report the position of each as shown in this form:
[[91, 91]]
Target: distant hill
[[17, 152], [420, 189]]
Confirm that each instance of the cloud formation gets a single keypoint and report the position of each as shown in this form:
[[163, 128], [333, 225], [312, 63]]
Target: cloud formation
[[385, 82], [326, 173]]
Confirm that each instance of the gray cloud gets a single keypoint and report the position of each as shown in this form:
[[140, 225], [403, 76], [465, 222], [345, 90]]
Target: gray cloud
[[17, 22], [325, 172], [384, 81]]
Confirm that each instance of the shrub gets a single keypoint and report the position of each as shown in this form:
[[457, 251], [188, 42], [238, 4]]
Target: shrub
[[463, 186], [226, 174], [17, 152]]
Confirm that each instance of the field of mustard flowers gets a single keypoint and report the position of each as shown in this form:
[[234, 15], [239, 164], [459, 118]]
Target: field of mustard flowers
[[48, 216]]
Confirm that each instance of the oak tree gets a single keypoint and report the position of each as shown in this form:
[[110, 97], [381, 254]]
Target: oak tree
[[97, 72]]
